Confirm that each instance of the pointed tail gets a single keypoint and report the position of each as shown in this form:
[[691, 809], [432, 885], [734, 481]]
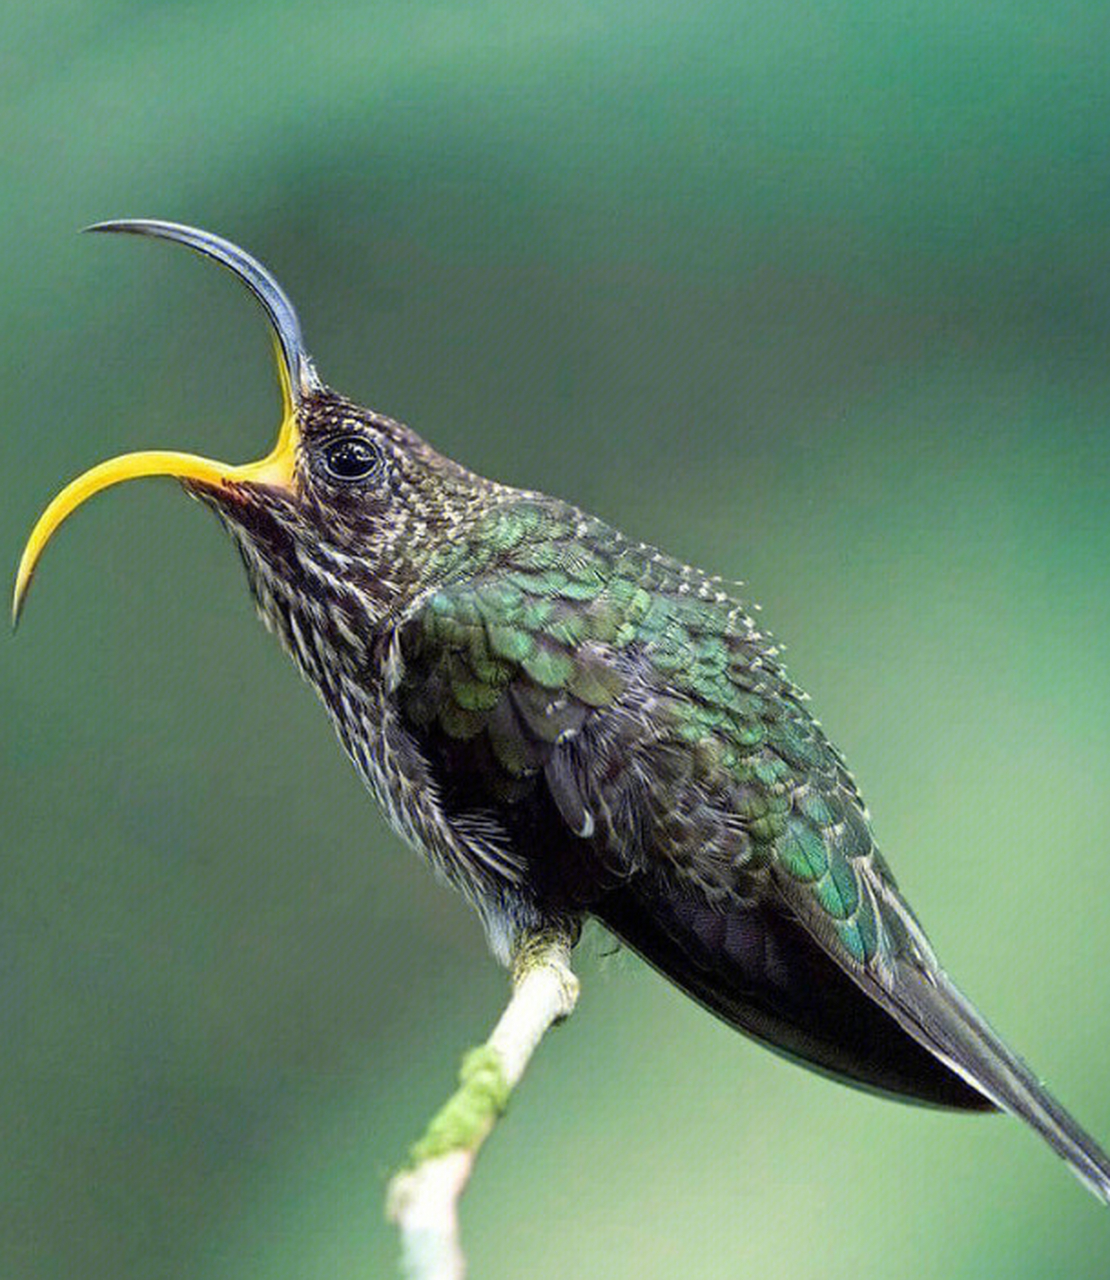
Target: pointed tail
[[935, 1012]]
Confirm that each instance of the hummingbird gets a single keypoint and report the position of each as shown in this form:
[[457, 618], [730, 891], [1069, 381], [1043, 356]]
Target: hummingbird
[[569, 723]]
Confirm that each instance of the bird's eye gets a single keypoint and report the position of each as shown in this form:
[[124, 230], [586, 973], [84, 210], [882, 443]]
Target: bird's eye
[[351, 458]]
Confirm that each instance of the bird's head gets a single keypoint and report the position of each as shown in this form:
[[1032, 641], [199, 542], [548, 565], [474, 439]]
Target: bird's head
[[342, 513]]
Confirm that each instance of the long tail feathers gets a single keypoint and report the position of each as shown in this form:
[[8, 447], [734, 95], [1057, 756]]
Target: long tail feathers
[[936, 1013]]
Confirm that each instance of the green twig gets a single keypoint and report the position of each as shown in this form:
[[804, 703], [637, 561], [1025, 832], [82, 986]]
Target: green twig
[[423, 1199]]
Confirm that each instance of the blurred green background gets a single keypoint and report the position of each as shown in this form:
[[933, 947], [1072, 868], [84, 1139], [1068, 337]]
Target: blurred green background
[[815, 295]]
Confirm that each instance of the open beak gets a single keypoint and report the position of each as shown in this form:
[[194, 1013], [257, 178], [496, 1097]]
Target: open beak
[[298, 380]]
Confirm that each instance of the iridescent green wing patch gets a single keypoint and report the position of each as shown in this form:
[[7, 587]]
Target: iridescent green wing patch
[[517, 656], [731, 700]]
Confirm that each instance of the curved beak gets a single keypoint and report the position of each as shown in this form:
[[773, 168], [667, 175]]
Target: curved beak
[[295, 371]]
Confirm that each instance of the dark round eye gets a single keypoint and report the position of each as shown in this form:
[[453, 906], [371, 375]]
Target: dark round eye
[[351, 458]]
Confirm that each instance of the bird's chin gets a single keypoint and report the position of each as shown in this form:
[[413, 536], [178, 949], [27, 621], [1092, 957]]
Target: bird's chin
[[212, 493], [238, 498], [228, 500], [262, 515]]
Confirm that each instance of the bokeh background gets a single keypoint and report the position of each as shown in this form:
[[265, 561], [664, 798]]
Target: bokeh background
[[815, 295]]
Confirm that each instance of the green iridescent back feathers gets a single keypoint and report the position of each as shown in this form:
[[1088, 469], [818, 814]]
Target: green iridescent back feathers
[[545, 601]]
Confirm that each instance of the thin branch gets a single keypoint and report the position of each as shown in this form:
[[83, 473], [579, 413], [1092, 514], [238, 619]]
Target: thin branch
[[423, 1200]]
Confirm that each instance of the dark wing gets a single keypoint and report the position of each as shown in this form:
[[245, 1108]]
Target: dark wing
[[760, 891]]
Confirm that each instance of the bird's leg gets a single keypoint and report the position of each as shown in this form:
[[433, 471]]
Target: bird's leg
[[423, 1199]]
